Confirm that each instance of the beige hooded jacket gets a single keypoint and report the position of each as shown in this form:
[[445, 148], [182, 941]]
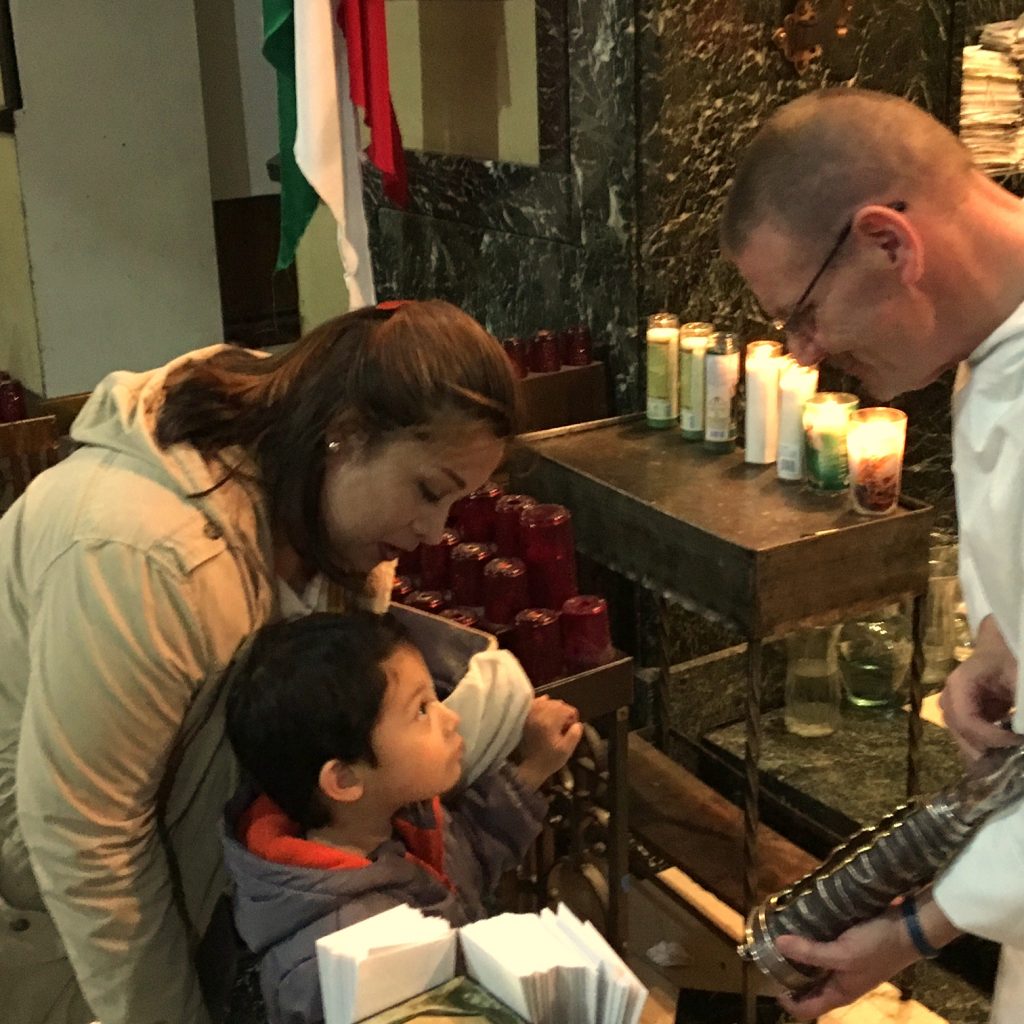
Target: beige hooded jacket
[[122, 599]]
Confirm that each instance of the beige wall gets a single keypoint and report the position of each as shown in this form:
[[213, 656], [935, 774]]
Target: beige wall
[[464, 77], [239, 97], [115, 184], [19, 339]]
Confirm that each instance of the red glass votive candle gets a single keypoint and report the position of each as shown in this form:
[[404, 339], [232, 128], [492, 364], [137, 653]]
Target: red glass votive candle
[[579, 346], [409, 562], [505, 590], [586, 638], [427, 601], [544, 357], [474, 514], [12, 401], [401, 589], [537, 643], [518, 351], [463, 616], [467, 573], [507, 511], [546, 538], [435, 559]]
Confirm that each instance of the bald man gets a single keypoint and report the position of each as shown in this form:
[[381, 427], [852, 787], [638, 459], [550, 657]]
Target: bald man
[[866, 232]]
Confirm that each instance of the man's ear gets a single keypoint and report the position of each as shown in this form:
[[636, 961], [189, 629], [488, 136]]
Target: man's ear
[[340, 782], [890, 234]]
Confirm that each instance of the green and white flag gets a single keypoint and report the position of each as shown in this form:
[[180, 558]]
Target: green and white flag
[[319, 135]]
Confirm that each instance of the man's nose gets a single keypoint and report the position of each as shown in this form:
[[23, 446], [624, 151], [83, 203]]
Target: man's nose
[[806, 351]]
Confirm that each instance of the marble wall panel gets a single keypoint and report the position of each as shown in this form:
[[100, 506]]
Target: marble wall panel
[[513, 285], [708, 76]]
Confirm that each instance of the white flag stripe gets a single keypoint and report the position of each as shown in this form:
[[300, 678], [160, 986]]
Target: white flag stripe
[[327, 138]]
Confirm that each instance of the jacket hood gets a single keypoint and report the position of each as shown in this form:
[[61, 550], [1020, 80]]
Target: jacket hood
[[284, 882], [121, 416]]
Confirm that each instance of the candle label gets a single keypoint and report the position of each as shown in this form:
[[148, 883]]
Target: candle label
[[790, 465], [825, 455], [661, 381], [722, 380], [691, 391]]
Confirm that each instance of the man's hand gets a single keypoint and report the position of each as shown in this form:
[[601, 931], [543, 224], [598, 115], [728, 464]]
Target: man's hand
[[981, 692], [550, 734], [862, 957]]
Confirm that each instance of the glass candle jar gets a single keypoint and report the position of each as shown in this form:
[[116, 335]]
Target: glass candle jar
[[544, 357], [694, 341], [435, 560], [578, 346], [549, 553], [826, 422], [401, 589], [763, 361], [518, 351], [662, 370], [463, 616], [504, 590], [427, 601], [473, 515], [507, 510], [409, 562], [721, 390], [586, 637], [467, 572], [537, 643], [796, 385], [874, 445], [12, 401]]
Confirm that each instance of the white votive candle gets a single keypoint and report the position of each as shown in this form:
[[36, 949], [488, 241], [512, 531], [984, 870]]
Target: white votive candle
[[763, 362], [796, 385]]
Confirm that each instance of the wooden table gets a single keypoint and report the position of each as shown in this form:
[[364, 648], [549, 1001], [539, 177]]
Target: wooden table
[[732, 542]]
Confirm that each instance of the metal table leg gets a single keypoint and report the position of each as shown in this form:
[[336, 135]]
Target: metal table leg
[[751, 814], [618, 829]]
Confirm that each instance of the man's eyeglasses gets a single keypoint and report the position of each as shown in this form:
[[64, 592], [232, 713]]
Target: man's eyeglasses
[[791, 323]]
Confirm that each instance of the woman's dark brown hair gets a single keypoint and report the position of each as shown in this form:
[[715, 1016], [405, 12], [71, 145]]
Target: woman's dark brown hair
[[365, 375]]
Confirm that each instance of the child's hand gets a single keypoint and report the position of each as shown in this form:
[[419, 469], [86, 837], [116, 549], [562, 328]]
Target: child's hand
[[550, 734]]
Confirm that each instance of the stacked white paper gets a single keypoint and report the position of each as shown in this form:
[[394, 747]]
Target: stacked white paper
[[991, 114], [1004, 36], [381, 961], [552, 968]]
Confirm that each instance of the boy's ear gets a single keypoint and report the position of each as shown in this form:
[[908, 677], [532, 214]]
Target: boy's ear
[[340, 782]]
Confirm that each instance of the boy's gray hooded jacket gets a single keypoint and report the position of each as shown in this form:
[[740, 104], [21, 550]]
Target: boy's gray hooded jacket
[[291, 891]]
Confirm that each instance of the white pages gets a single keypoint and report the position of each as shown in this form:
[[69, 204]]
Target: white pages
[[381, 961], [552, 968]]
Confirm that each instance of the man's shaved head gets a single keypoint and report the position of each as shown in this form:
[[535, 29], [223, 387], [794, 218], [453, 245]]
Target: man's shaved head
[[820, 157]]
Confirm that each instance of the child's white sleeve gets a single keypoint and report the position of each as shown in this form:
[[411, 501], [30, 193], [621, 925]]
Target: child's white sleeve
[[492, 700]]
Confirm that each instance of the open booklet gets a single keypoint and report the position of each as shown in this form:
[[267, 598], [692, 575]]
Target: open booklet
[[550, 968]]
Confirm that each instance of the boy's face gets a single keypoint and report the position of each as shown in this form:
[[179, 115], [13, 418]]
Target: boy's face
[[416, 739]]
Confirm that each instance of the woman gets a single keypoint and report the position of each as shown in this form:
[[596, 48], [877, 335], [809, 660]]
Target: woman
[[206, 498]]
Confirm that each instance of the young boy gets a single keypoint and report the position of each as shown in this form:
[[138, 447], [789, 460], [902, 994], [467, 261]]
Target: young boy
[[337, 721]]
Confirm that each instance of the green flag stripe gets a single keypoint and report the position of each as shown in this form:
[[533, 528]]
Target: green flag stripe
[[298, 199]]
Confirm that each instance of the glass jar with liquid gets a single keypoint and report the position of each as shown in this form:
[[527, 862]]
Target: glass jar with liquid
[[874, 658], [813, 683]]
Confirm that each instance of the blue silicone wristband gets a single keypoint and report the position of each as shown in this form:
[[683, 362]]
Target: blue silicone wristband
[[909, 910]]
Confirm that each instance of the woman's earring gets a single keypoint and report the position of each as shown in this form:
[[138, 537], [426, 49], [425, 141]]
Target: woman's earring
[[334, 446]]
